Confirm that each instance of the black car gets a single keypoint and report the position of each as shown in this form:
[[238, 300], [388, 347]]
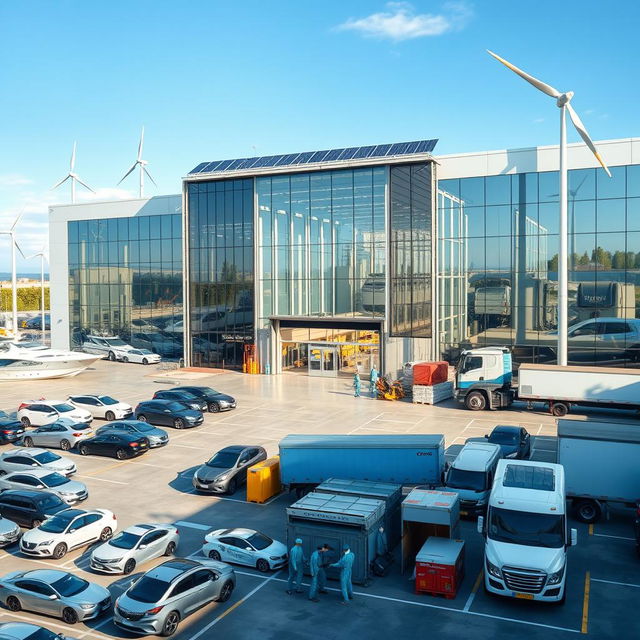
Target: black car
[[168, 413], [215, 400], [186, 398], [514, 441], [116, 444], [11, 429], [29, 508]]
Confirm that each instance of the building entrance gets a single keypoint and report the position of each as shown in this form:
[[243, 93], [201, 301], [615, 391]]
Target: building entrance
[[323, 361]]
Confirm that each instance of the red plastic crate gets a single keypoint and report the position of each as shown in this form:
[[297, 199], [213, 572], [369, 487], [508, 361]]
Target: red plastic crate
[[430, 373]]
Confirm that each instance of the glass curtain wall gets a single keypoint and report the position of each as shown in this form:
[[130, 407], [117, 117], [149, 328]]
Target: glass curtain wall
[[321, 244], [511, 238], [221, 271], [125, 279]]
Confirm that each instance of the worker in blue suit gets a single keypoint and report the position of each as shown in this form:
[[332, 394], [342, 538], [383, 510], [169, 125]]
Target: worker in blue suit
[[318, 575], [373, 379], [296, 565], [345, 564], [356, 384]]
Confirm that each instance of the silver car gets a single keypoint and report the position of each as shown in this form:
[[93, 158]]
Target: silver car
[[71, 491], [9, 532], [54, 593], [157, 602], [227, 469], [23, 459], [63, 434], [133, 546], [28, 631], [156, 437]]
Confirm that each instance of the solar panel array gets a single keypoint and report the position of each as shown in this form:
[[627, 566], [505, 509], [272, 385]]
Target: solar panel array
[[310, 157]]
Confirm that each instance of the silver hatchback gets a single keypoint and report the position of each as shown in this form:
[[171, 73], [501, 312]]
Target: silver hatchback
[[63, 434], [157, 602]]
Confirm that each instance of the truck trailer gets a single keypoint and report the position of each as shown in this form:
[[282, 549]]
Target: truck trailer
[[308, 460], [484, 380], [611, 448]]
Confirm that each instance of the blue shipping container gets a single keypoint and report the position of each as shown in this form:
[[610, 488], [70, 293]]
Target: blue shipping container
[[401, 459]]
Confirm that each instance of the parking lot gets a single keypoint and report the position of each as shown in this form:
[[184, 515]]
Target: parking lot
[[603, 575]]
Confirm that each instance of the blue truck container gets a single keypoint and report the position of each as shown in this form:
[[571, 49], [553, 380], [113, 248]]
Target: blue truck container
[[308, 460]]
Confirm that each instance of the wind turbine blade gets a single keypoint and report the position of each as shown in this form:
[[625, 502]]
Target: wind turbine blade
[[13, 226], [538, 84], [149, 176], [85, 185], [55, 186], [581, 129], [128, 172], [19, 249], [73, 157], [140, 145]]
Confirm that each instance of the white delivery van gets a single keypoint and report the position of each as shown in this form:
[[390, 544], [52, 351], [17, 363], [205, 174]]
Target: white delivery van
[[471, 475], [526, 534]]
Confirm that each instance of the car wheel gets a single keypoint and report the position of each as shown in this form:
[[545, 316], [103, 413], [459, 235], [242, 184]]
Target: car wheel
[[28, 442], [215, 555], [65, 445], [121, 454], [106, 534], [214, 407], [69, 615], [231, 487], [129, 566], [226, 591], [110, 416], [142, 418], [83, 450], [587, 511], [25, 421], [262, 565], [559, 409], [170, 624], [475, 401], [125, 359], [60, 551], [171, 549], [178, 423], [14, 604], [145, 361], [111, 356], [35, 524]]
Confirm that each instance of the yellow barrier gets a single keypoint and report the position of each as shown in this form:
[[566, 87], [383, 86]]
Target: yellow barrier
[[263, 480]]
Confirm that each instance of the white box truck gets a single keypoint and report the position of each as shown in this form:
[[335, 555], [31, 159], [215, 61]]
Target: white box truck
[[484, 380], [526, 533], [611, 448]]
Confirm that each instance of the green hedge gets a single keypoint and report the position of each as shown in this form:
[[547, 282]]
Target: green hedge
[[28, 299]]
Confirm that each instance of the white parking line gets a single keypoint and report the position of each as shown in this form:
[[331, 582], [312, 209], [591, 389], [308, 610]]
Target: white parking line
[[366, 423], [604, 535], [192, 525], [90, 633], [622, 584], [102, 479]]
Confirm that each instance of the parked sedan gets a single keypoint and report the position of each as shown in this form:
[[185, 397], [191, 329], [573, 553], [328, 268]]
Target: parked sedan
[[11, 429], [216, 401], [63, 434], [9, 533], [227, 469], [71, 491], [245, 546], [69, 529], [45, 412], [134, 546], [104, 407], [115, 444], [514, 441], [168, 413], [156, 437], [142, 356], [21, 459], [183, 397], [30, 508], [54, 593], [28, 631], [157, 602]]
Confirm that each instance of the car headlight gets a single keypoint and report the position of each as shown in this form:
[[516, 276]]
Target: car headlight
[[494, 570], [556, 577], [274, 557], [224, 476], [512, 455], [86, 607], [114, 560], [44, 544], [191, 418]]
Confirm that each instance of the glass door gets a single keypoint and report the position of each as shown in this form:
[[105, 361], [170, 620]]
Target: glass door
[[323, 361]]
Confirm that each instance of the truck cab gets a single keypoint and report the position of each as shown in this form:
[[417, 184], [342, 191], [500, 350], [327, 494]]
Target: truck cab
[[526, 533], [471, 474], [483, 378]]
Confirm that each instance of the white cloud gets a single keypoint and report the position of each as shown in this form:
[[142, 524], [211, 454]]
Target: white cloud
[[401, 22], [538, 120], [10, 180]]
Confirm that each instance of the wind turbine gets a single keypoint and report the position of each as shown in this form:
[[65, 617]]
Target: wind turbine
[[14, 277], [74, 178], [563, 102], [142, 164], [43, 257]]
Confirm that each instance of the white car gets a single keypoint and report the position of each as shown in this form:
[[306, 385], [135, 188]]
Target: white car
[[71, 491], [142, 356], [28, 459], [102, 407], [41, 412], [110, 347], [66, 530], [245, 546], [133, 546]]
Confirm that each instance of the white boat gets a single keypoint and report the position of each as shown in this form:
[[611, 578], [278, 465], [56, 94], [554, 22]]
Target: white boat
[[25, 361]]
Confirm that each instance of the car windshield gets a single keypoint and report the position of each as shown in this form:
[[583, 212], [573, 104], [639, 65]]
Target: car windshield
[[125, 540], [54, 480], [42, 634], [472, 480], [45, 457], [223, 460], [148, 589], [175, 406], [116, 342], [4, 414], [503, 437], [144, 427], [57, 524], [259, 541], [69, 585], [107, 400], [144, 352], [63, 408], [529, 529]]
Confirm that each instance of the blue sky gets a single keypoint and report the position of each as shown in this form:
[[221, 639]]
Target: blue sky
[[213, 80]]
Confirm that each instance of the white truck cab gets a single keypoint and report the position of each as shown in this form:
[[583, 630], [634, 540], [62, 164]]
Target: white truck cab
[[471, 475], [526, 534]]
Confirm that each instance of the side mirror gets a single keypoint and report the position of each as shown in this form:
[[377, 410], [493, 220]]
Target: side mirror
[[486, 435], [73, 530], [53, 596], [142, 546], [480, 524], [40, 486], [574, 537]]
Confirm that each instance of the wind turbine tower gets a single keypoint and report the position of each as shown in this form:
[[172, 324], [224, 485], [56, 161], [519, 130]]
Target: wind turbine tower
[[73, 177], [142, 166]]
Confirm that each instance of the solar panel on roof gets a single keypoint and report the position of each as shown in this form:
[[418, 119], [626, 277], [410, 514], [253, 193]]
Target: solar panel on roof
[[288, 159], [334, 154], [397, 149], [381, 150], [363, 152], [303, 158], [318, 156], [349, 153], [200, 166]]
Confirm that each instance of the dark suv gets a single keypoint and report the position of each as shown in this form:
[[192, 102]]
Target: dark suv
[[183, 397], [30, 508], [215, 400]]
